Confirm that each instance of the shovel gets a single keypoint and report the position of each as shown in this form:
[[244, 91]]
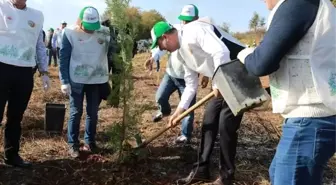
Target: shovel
[[178, 119], [241, 90]]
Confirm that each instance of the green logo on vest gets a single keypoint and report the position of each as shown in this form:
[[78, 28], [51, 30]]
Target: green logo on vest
[[332, 84], [11, 51]]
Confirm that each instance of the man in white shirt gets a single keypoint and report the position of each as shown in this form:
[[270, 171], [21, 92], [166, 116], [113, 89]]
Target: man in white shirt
[[58, 37], [203, 48], [21, 43], [172, 81]]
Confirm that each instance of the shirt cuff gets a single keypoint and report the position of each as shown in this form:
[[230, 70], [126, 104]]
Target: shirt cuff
[[244, 53]]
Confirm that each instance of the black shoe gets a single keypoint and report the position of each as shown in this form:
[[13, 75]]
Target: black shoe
[[91, 148], [194, 177], [17, 162], [158, 117], [74, 152]]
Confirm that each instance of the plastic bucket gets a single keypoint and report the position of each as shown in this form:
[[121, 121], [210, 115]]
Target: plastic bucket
[[54, 118]]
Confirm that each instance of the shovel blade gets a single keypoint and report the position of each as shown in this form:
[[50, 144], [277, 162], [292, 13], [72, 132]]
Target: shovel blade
[[240, 89]]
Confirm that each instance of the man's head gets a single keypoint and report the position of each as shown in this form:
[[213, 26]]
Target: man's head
[[63, 24], [20, 4], [271, 3], [188, 14], [165, 36], [89, 19], [51, 30]]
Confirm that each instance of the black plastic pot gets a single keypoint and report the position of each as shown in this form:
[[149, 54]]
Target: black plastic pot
[[54, 118]]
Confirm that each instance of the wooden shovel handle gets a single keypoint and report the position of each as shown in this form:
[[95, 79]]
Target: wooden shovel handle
[[178, 119]]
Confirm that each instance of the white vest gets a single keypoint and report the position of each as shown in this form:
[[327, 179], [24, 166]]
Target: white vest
[[305, 84], [59, 38], [88, 63], [19, 32]]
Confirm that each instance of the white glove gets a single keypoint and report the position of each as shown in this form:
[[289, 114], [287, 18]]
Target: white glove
[[244, 53], [66, 89], [45, 82]]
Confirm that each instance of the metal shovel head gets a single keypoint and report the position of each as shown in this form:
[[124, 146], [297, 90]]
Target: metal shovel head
[[240, 89]]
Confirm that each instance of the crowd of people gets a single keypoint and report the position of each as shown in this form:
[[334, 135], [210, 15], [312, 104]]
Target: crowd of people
[[299, 56]]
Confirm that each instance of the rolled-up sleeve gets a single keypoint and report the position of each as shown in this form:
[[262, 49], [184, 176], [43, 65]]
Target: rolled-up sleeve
[[191, 82], [65, 56], [41, 54]]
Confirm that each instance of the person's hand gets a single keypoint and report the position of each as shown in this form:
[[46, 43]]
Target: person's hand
[[205, 81], [149, 64], [172, 119], [66, 89], [45, 82], [217, 93]]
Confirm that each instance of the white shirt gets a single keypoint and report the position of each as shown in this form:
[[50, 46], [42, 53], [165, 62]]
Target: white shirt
[[202, 52]]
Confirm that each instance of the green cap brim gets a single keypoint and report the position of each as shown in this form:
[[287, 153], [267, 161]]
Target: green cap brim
[[185, 18], [91, 26], [154, 44]]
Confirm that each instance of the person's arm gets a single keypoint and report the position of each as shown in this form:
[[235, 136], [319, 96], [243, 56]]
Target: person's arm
[[65, 55], [287, 28], [157, 54], [191, 82], [41, 54]]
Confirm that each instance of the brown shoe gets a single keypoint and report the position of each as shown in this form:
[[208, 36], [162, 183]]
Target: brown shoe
[[219, 181]]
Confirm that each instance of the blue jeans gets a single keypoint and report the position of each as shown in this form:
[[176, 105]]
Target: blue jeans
[[76, 110], [167, 87], [304, 149]]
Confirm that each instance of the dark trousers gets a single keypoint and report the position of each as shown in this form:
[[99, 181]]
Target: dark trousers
[[16, 85], [52, 55], [218, 117], [58, 51]]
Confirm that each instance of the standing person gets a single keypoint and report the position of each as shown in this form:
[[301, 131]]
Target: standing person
[[300, 57], [58, 38], [114, 65], [83, 69], [51, 50], [22, 38], [209, 47]]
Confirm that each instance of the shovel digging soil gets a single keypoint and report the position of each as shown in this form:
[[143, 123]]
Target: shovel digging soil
[[241, 90]]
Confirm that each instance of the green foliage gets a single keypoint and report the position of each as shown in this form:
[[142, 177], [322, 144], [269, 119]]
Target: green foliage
[[333, 2], [225, 27], [126, 21], [142, 21]]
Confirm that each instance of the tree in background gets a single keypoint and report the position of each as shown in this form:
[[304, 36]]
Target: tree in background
[[148, 19], [254, 22], [334, 2], [257, 25], [225, 27]]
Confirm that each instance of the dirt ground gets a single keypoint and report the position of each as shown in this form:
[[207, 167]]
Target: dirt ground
[[165, 163]]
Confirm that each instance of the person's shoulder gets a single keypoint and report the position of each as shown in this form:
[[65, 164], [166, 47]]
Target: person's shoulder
[[35, 11]]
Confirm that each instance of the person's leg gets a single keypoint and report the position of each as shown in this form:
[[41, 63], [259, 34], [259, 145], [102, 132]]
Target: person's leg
[[209, 132], [92, 100], [76, 111], [55, 58], [50, 54], [304, 149], [228, 126], [5, 80], [188, 121], [20, 92], [166, 88]]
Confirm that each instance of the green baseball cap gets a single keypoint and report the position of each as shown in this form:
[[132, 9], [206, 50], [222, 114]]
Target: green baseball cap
[[158, 30], [188, 13], [51, 29], [90, 18]]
